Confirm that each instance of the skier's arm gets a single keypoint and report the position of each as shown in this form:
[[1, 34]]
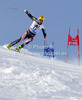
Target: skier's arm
[[44, 33], [32, 17]]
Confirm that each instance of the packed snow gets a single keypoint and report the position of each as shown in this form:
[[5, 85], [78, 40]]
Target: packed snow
[[24, 76]]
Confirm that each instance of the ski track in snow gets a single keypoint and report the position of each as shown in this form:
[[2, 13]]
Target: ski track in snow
[[32, 77]]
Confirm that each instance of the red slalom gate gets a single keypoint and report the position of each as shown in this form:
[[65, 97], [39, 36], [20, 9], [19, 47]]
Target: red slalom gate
[[73, 42]]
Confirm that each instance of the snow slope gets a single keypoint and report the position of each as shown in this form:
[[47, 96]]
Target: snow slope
[[28, 77]]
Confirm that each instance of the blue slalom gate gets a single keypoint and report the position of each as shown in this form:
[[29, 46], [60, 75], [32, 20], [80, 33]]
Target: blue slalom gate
[[48, 51]]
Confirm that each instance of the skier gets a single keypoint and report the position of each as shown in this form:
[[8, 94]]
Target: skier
[[36, 26]]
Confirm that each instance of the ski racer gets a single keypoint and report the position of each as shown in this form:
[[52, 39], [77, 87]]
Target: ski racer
[[36, 26]]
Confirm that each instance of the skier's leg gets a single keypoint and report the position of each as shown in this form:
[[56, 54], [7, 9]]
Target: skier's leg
[[20, 39], [24, 36], [26, 42], [13, 43], [17, 40]]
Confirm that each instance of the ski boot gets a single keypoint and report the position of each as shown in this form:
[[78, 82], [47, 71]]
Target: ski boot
[[9, 46], [18, 49]]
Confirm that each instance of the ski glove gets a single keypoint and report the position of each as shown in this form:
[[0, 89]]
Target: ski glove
[[26, 11], [44, 35], [45, 38]]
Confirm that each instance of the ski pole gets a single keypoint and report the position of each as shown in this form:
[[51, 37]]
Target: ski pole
[[14, 8], [45, 43]]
